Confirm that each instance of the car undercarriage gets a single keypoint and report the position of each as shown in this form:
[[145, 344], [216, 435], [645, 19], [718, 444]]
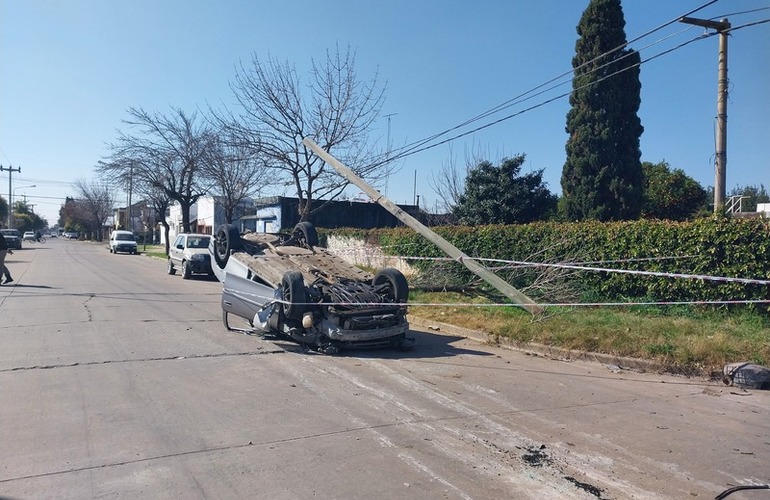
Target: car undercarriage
[[288, 286]]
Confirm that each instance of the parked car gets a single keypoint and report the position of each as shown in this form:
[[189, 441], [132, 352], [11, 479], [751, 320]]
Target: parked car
[[190, 253], [287, 285], [71, 235], [12, 238], [122, 241], [29, 236]]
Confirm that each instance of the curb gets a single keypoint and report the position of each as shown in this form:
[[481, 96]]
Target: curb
[[551, 352]]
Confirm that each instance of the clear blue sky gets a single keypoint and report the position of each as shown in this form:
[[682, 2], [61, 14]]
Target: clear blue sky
[[69, 70]]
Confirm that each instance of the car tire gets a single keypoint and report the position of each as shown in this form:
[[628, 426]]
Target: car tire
[[398, 288], [294, 295], [110, 249], [186, 273], [170, 268], [226, 241], [306, 234]]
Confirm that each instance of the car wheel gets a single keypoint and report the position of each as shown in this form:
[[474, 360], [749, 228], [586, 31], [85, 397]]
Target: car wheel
[[397, 287], [186, 273], [306, 234], [226, 241], [294, 295], [110, 249], [170, 268]]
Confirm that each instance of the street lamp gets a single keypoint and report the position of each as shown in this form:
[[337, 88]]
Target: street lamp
[[10, 202]]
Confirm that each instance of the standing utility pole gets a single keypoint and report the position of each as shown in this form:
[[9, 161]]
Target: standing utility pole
[[10, 171], [387, 171], [722, 27]]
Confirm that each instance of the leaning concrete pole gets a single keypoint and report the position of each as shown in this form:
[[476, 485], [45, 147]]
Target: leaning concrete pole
[[448, 248]]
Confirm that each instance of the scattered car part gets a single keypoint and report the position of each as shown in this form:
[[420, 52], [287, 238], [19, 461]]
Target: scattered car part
[[747, 376]]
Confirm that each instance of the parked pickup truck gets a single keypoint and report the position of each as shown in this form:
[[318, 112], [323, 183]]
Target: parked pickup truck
[[287, 285]]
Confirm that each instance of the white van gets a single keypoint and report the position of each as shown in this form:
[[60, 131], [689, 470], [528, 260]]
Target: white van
[[122, 241]]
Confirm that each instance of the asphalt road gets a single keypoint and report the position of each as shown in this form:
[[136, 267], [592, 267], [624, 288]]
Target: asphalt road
[[119, 381]]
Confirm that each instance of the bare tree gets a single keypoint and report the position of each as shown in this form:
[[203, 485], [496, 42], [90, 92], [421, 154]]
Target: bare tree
[[158, 203], [335, 109], [168, 152], [449, 183], [236, 171], [96, 202]]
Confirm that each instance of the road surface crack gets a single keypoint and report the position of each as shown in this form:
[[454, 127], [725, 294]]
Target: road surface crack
[[143, 360]]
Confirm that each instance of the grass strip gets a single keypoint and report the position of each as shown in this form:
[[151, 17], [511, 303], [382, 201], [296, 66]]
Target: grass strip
[[683, 338]]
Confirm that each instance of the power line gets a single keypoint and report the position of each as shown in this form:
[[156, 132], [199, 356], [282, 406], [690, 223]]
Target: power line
[[416, 146], [747, 25], [552, 99], [740, 13], [420, 146]]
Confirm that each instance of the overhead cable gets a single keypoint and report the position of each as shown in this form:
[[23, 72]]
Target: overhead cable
[[417, 146]]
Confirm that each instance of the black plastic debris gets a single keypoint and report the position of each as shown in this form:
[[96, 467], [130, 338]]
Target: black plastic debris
[[746, 376]]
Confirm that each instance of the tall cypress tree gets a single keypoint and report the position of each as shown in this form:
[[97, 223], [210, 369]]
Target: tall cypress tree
[[602, 177]]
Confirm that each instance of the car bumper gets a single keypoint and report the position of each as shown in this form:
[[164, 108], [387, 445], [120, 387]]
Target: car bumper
[[199, 266], [124, 248], [363, 336]]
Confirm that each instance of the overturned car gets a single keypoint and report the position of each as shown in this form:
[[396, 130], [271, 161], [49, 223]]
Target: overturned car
[[287, 285]]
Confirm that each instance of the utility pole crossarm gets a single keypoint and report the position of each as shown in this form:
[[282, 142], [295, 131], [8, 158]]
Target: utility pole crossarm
[[451, 250], [706, 23]]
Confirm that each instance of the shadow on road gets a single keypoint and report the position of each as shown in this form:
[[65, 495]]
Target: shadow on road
[[18, 285], [426, 346]]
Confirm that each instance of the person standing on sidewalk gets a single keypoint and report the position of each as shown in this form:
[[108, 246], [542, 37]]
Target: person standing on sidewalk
[[4, 250]]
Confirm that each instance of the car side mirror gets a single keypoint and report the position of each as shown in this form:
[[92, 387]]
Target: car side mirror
[[180, 247]]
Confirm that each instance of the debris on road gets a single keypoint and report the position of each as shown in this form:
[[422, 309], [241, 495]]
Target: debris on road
[[746, 376]]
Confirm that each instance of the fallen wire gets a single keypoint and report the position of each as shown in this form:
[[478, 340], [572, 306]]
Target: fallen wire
[[274, 300], [705, 277]]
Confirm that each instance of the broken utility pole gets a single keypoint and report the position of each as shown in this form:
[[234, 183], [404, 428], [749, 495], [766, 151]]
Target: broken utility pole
[[451, 250]]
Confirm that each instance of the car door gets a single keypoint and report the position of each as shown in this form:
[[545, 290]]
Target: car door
[[175, 253]]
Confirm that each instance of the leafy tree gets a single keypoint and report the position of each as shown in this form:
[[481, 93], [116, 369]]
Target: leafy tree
[[334, 108], [752, 194], [602, 177], [25, 219], [671, 194], [499, 195]]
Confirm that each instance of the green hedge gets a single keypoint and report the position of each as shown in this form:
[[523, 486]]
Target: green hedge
[[717, 246]]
